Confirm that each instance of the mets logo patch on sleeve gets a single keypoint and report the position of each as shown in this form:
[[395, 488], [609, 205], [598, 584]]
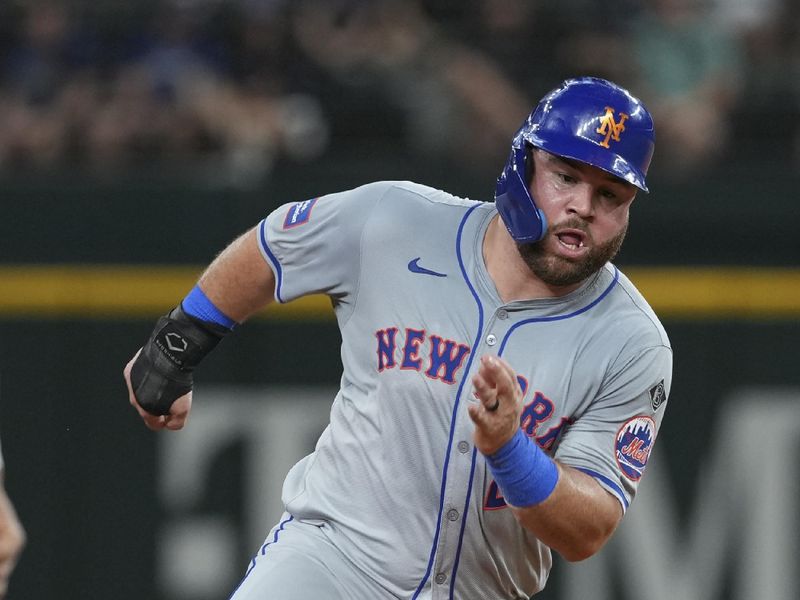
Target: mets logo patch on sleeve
[[634, 442], [299, 213]]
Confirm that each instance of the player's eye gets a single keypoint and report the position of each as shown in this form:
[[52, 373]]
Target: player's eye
[[566, 178], [608, 194]]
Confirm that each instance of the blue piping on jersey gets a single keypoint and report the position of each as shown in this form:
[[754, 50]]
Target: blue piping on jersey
[[463, 523], [453, 422], [272, 259], [575, 313], [499, 353], [617, 490], [262, 551]]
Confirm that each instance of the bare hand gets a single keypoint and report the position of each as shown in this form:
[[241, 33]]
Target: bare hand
[[12, 540], [178, 412], [496, 415]]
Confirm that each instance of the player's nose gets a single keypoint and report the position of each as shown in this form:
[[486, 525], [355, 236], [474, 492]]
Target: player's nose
[[580, 201]]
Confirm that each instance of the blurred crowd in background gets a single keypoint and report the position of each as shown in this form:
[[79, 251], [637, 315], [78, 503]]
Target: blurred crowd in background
[[241, 85]]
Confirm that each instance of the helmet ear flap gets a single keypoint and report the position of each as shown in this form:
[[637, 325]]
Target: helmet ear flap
[[523, 219]]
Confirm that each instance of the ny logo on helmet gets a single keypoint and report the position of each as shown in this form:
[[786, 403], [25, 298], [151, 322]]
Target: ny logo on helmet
[[611, 128]]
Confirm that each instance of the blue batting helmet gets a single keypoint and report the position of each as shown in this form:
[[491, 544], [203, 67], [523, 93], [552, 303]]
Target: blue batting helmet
[[587, 119]]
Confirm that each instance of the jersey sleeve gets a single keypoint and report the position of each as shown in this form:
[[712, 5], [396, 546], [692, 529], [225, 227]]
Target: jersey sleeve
[[612, 440], [314, 246]]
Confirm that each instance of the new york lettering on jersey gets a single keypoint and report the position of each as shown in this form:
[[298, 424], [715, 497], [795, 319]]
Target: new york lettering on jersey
[[442, 360]]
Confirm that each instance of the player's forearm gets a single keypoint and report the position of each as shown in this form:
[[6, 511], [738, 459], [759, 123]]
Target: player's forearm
[[576, 519], [236, 284], [239, 282]]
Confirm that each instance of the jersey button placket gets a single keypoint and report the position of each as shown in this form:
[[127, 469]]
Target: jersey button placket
[[457, 490], [458, 481]]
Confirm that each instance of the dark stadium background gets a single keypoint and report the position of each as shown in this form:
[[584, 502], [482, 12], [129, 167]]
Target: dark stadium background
[[136, 139]]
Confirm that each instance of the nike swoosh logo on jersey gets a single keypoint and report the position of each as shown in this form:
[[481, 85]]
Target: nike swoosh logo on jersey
[[414, 267]]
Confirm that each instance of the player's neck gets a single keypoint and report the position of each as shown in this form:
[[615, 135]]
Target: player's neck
[[511, 276]]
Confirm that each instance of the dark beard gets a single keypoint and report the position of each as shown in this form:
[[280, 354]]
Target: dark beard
[[558, 271]]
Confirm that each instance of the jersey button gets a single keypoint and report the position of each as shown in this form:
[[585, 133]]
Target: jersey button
[[441, 578], [502, 314], [452, 515], [491, 339], [463, 447]]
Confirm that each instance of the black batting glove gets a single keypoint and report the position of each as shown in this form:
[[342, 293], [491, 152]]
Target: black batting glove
[[162, 372]]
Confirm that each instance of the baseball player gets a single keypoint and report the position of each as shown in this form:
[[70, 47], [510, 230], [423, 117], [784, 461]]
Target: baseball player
[[12, 535], [503, 382]]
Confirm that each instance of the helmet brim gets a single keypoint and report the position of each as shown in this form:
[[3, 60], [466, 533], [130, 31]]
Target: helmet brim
[[591, 153]]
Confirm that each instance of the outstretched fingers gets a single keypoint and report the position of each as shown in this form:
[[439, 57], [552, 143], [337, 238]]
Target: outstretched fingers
[[496, 414], [495, 379]]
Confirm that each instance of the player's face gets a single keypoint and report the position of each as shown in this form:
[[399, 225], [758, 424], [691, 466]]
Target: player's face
[[587, 212]]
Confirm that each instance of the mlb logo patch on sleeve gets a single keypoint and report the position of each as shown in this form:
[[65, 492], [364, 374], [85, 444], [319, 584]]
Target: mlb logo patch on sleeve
[[658, 394], [299, 213]]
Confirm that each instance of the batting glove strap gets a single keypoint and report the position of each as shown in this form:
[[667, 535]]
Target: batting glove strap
[[162, 373]]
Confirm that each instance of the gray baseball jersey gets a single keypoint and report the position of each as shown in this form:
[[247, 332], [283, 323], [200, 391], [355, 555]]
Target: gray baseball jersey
[[395, 478]]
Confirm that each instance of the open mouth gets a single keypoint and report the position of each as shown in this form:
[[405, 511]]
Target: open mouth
[[572, 239]]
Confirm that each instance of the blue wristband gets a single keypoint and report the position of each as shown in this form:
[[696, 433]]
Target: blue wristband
[[524, 473], [197, 305]]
